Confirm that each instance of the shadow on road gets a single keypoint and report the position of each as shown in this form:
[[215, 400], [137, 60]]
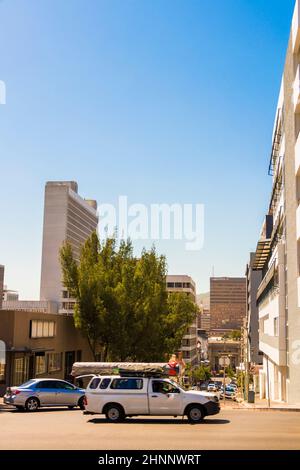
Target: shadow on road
[[9, 409], [159, 421]]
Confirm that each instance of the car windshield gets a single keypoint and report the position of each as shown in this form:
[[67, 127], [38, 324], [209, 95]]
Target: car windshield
[[177, 385], [28, 384]]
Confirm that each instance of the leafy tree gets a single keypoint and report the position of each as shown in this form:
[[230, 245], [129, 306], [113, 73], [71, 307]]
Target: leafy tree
[[123, 307], [201, 373]]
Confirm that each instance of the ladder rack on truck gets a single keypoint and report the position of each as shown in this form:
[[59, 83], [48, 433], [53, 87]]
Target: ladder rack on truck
[[124, 369]]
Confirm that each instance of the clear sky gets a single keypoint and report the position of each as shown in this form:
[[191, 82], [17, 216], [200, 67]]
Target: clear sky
[[160, 100]]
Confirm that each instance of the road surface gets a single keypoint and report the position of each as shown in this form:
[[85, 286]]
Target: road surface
[[71, 430]]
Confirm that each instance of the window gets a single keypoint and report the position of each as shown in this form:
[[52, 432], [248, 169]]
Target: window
[[95, 383], [160, 386], [42, 329], [54, 362], [64, 385], [127, 384], [104, 384], [46, 384], [40, 364]]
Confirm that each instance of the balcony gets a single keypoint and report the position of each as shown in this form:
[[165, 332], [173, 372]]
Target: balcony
[[296, 28], [296, 91]]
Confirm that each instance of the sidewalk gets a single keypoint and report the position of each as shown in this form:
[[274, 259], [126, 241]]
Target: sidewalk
[[263, 405]]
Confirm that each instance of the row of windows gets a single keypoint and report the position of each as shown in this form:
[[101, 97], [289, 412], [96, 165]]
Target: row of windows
[[42, 329], [180, 285], [53, 363], [158, 386]]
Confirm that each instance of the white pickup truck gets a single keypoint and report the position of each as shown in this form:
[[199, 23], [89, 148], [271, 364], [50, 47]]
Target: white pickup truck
[[117, 397]]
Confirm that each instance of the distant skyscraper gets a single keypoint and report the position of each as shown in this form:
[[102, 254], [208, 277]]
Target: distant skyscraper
[[69, 217], [227, 303]]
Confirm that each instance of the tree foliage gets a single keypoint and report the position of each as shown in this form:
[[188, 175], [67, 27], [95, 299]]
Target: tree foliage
[[123, 307]]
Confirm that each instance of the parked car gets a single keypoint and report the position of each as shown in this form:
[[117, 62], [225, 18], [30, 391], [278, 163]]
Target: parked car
[[212, 387], [37, 393], [117, 397], [230, 392]]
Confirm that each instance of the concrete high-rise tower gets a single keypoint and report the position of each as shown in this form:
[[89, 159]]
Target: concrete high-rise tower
[[67, 216]]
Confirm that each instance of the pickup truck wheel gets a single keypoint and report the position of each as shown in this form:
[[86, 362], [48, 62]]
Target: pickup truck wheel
[[114, 413], [195, 414]]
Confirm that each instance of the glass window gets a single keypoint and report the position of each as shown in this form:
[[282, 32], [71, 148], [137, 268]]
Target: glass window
[[95, 383], [40, 364], [33, 329], [54, 362], [45, 329], [160, 386], [46, 384], [127, 384], [105, 383], [51, 329], [64, 385], [40, 329]]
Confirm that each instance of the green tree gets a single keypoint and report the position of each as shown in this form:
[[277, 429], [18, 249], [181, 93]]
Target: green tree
[[201, 373], [123, 307]]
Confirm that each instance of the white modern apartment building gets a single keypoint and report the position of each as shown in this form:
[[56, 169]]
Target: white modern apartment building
[[67, 216], [278, 249], [178, 283]]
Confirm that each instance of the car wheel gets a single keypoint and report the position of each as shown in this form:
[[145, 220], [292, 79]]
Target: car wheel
[[32, 404], [114, 413], [81, 403], [195, 414]]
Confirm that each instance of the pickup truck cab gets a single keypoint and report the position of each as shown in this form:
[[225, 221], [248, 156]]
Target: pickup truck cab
[[117, 397]]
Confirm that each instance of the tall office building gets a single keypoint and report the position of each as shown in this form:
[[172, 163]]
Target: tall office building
[[1, 284], [189, 341], [278, 248], [227, 304], [67, 216]]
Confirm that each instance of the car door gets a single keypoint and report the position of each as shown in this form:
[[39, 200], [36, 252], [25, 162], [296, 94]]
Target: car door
[[66, 394], [164, 398], [46, 392]]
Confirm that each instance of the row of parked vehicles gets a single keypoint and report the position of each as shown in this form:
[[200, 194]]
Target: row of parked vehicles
[[231, 389], [130, 392]]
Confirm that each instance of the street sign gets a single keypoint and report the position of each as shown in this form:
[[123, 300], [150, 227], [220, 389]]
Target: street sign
[[224, 361]]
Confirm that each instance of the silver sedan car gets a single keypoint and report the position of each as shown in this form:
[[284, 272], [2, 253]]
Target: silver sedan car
[[37, 393]]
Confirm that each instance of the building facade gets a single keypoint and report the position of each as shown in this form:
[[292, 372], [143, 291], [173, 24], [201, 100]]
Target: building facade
[[252, 355], [1, 284], [227, 304], [67, 217], [220, 348], [189, 341], [38, 345], [278, 249]]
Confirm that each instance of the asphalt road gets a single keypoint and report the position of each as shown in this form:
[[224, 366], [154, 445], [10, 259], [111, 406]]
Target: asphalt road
[[70, 429]]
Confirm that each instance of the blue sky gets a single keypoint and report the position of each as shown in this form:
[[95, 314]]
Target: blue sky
[[160, 100]]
